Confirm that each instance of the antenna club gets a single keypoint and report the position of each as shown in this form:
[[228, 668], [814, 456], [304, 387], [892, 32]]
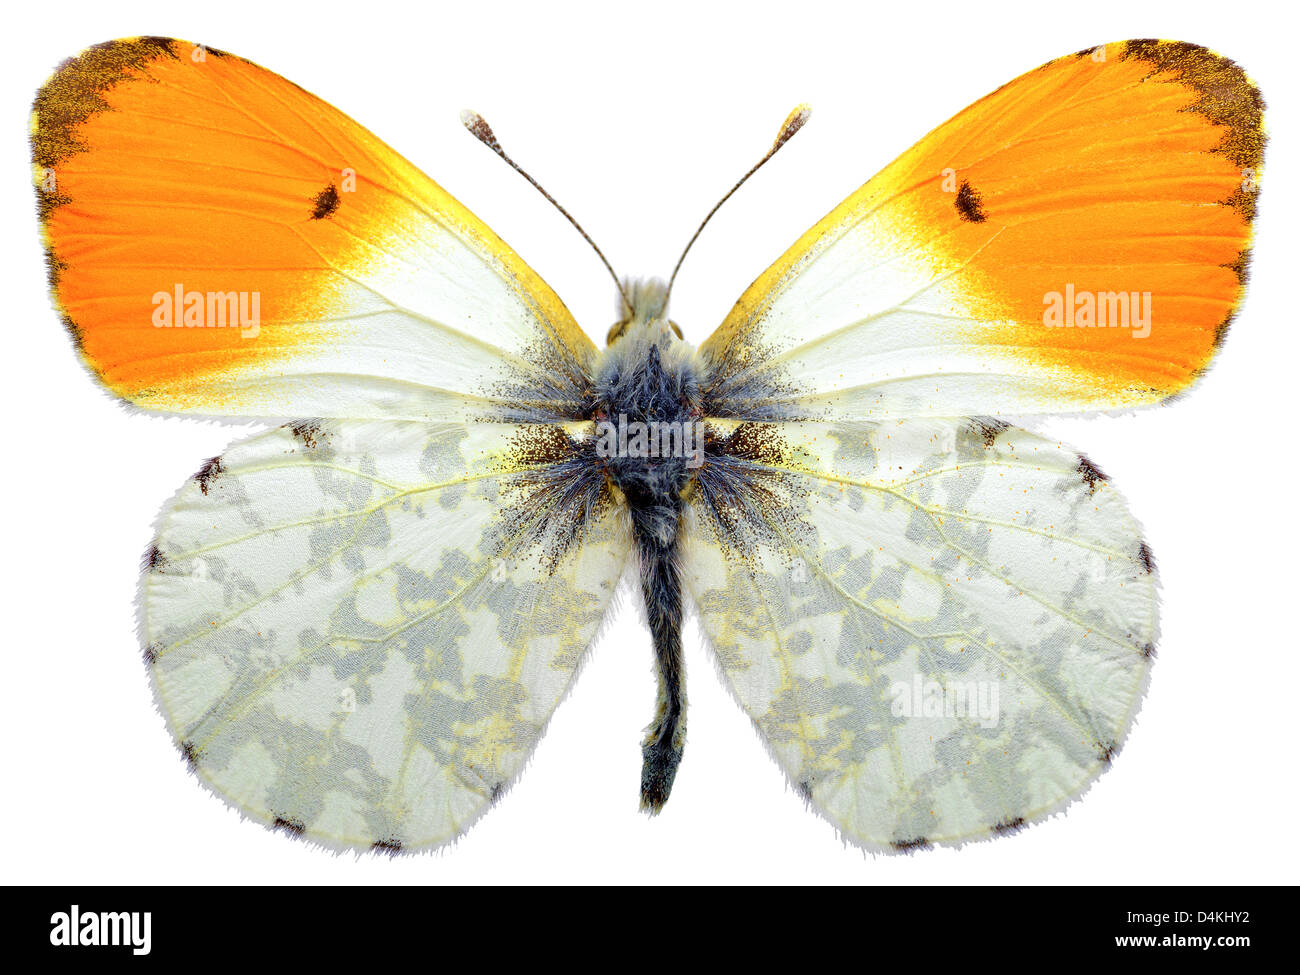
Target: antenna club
[[793, 123], [479, 128]]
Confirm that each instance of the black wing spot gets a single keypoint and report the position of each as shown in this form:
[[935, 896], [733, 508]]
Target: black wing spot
[[912, 845], [154, 559], [804, 789], [1092, 474], [326, 202], [1149, 650], [290, 826], [151, 653], [1147, 557], [970, 204], [208, 473], [1008, 826], [990, 428], [390, 847], [191, 755], [495, 792], [306, 431], [1107, 751]]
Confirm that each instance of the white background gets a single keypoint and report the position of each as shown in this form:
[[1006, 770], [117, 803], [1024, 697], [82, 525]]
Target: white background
[[637, 118]]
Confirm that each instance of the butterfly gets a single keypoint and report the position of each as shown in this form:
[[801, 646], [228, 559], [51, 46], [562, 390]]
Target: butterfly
[[359, 622]]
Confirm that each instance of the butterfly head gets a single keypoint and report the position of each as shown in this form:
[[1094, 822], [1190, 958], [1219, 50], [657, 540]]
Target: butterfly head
[[643, 310]]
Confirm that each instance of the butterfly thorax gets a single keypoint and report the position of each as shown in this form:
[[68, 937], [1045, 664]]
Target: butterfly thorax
[[650, 437]]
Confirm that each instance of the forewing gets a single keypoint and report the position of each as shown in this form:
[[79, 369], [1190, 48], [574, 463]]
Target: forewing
[[941, 629], [1108, 194], [358, 630], [222, 242]]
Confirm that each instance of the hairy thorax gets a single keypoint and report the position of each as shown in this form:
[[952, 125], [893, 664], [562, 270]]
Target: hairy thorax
[[649, 431]]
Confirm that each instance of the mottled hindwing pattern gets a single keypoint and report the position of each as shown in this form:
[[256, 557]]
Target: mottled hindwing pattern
[[938, 627], [357, 631]]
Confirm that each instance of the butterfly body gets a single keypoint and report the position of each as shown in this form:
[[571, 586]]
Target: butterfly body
[[358, 623], [649, 439]]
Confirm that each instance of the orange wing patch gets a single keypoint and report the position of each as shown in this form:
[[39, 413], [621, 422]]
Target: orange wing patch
[[181, 186], [1090, 220], [135, 147], [1126, 216]]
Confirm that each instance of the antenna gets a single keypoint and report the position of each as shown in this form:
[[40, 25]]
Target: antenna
[[479, 128], [793, 123]]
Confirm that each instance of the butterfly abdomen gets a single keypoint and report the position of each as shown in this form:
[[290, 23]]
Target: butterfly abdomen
[[665, 740]]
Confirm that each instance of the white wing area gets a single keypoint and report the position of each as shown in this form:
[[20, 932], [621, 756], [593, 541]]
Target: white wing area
[[942, 629], [354, 633], [878, 323], [426, 321], [421, 328]]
